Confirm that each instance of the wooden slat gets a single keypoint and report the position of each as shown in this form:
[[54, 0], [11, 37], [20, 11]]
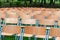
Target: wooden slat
[[56, 32], [10, 29], [28, 30]]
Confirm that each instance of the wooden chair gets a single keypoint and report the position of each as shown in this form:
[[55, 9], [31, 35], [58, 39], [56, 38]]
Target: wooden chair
[[56, 33], [11, 17], [41, 32], [10, 31], [28, 32]]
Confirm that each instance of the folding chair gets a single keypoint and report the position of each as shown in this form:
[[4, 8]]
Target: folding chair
[[10, 30], [42, 32], [12, 17], [28, 32], [11, 20], [56, 33], [27, 21]]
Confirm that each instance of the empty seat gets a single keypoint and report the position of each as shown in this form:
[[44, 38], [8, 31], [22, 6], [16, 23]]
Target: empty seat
[[56, 33], [29, 21], [40, 32], [11, 20], [28, 32], [47, 22]]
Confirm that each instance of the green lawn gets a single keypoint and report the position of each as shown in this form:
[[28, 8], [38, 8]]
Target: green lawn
[[25, 38]]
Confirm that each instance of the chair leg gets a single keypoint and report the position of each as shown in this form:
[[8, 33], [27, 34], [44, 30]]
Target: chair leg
[[21, 38], [54, 38], [43, 38], [15, 37], [35, 38], [29, 38], [3, 37], [22, 33]]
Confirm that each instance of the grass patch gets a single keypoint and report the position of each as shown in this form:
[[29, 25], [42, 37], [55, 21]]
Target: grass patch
[[25, 38]]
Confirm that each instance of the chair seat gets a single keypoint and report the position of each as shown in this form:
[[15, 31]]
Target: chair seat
[[7, 34], [42, 36], [57, 38], [26, 35], [11, 20]]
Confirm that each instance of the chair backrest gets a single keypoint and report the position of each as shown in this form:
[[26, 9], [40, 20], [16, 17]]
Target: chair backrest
[[57, 13], [24, 15], [11, 14], [35, 30], [40, 30], [55, 32], [29, 30], [11, 29]]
